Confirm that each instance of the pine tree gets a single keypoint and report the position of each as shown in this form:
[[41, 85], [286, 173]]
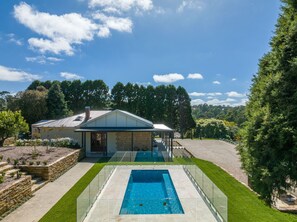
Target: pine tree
[[56, 105]]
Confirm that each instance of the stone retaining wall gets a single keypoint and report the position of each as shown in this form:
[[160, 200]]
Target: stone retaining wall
[[54, 170], [15, 193]]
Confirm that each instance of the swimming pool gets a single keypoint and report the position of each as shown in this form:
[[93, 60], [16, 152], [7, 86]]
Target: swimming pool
[[148, 156], [150, 192]]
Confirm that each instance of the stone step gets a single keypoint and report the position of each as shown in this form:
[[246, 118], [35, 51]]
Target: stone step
[[8, 172], [36, 180], [2, 164], [38, 185], [6, 168]]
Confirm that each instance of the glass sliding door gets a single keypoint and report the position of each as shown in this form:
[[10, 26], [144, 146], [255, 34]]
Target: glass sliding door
[[98, 142]]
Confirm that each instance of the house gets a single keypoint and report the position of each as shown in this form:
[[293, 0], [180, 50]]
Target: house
[[105, 132]]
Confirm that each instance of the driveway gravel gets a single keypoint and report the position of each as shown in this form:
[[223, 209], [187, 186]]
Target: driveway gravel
[[218, 152]]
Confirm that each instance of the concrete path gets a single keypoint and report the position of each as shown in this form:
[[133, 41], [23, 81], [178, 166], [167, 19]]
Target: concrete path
[[45, 198], [220, 153]]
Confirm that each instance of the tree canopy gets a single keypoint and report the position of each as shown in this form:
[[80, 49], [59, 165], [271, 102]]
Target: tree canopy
[[215, 128], [232, 114], [11, 123], [269, 139]]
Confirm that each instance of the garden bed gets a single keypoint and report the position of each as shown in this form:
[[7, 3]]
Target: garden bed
[[39, 155]]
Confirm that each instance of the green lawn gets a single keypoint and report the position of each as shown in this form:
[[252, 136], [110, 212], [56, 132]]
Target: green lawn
[[243, 205]]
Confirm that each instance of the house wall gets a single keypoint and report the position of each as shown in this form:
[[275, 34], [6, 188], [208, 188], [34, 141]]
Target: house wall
[[54, 133], [111, 142]]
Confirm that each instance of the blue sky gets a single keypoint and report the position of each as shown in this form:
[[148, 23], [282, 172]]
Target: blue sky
[[210, 47]]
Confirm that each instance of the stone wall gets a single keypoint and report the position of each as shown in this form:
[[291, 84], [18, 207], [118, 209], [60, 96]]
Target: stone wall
[[55, 169], [141, 141], [15, 193], [124, 141]]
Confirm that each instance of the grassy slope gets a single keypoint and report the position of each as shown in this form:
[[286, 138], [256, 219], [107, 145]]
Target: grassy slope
[[243, 205]]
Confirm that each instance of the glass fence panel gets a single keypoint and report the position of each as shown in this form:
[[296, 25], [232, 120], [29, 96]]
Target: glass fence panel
[[83, 203], [213, 194], [91, 192], [113, 210]]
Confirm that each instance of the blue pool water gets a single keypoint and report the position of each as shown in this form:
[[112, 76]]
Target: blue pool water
[[148, 156], [151, 192]]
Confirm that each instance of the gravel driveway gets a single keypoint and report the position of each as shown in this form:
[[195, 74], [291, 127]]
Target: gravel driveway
[[219, 152]]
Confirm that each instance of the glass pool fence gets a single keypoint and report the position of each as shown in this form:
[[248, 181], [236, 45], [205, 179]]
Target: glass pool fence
[[213, 196], [87, 198], [109, 209]]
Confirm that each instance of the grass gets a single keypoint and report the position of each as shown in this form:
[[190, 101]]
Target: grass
[[243, 204]]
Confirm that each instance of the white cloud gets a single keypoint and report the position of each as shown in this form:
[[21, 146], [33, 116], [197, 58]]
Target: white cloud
[[195, 76], [214, 94], [217, 102], [216, 82], [234, 94], [168, 78], [12, 38], [16, 75], [189, 4], [233, 79], [197, 102], [43, 59], [197, 94], [61, 31], [205, 94], [70, 76], [123, 5], [143, 83], [111, 22]]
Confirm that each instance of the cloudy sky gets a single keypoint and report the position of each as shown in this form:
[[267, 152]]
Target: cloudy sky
[[210, 47]]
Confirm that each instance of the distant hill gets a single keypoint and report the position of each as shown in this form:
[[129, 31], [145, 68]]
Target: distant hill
[[231, 114]]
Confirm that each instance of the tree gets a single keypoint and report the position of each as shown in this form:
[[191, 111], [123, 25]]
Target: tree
[[118, 96], [33, 104], [11, 124], [269, 145], [214, 128], [184, 112], [56, 105], [3, 101]]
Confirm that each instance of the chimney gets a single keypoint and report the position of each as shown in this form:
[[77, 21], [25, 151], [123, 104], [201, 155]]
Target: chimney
[[87, 113]]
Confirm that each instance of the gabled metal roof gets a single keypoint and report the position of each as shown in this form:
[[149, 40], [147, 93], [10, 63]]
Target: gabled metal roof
[[72, 121]]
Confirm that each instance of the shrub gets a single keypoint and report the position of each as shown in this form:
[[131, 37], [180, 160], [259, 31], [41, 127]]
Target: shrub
[[1, 157], [8, 160], [12, 174], [23, 162], [19, 174], [38, 162], [1, 179], [60, 142], [15, 162], [3, 174], [45, 163], [31, 163]]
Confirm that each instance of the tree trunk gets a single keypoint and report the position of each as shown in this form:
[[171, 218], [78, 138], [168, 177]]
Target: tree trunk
[[2, 142]]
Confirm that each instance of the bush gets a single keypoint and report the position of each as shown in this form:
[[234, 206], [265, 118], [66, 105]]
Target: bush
[[60, 142], [1, 179]]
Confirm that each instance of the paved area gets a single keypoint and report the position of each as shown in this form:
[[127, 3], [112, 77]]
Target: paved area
[[219, 152], [108, 204], [43, 199]]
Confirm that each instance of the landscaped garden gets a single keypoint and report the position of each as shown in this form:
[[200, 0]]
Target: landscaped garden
[[243, 204]]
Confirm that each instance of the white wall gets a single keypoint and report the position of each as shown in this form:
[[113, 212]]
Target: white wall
[[111, 142]]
